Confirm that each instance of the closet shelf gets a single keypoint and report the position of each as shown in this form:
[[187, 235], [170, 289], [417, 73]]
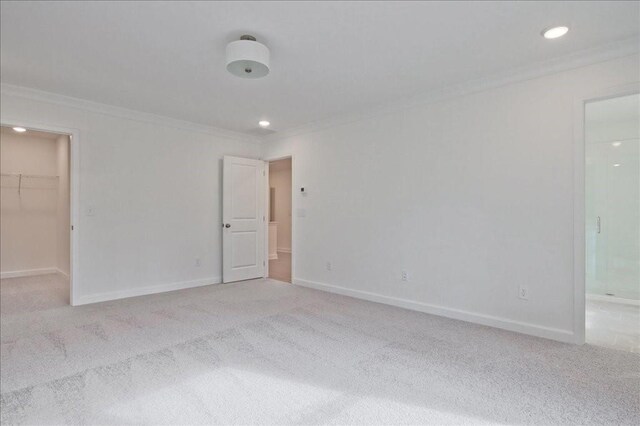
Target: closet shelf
[[29, 176], [21, 176]]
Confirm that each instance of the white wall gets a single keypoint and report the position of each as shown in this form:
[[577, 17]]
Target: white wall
[[154, 186], [64, 218], [280, 179], [473, 196], [28, 219]]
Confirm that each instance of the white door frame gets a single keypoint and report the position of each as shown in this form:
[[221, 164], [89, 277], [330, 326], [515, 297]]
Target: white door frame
[[293, 215], [74, 193], [579, 250]]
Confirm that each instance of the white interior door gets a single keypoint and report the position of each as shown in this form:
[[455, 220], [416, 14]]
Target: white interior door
[[243, 219]]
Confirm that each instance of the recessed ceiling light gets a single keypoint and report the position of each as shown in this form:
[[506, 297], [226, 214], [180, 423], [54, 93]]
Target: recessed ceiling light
[[555, 32], [616, 165], [19, 129], [264, 123], [616, 144]]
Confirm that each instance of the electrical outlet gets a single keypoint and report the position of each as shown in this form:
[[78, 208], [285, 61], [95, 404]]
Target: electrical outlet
[[328, 266], [198, 262], [404, 276], [523, 292]]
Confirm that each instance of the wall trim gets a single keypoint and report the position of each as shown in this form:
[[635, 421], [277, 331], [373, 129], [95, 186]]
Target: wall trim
[[74, 187], [579, 245], [283, 250], [612, 299], [566, 336], [61, 272], [578, 59], [153, 289], [28, 272], [582, 58], [120, 112]]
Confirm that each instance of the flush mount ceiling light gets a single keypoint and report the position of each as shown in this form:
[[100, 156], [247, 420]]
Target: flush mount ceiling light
[[554, 32], [19, 129], [247, 58], [263, 123], [616, 144], [616, 165]]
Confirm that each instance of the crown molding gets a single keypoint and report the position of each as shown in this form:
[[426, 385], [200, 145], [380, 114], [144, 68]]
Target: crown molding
[[578, 59], [602, 53], [120, 112]]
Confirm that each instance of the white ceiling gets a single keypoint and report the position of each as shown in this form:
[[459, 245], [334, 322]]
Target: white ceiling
[[328, 58]]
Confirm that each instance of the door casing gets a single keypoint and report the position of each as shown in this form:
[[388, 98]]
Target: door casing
[[579, 219], [293, 212], [74, 194]]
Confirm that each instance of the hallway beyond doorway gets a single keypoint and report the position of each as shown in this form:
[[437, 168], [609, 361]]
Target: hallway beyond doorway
[[280, 268]]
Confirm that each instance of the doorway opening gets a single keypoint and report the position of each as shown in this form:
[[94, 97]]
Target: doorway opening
[[279, 219], [35, 218], [612, 222]]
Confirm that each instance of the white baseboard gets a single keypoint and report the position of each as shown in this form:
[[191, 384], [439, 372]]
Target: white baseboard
[[28, 273], [64, 274], [143, 291], [491, 321], [613, 299], [284, 250]]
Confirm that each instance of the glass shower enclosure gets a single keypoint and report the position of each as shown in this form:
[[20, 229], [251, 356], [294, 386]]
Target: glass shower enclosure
[[612, 154]]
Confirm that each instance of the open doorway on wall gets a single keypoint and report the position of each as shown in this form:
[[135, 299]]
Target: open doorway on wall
[[35, 219], [612, 222], [279, 215]]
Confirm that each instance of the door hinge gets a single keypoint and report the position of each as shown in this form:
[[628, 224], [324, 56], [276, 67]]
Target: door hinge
[[263, 218], [72, 227], [263, 263]]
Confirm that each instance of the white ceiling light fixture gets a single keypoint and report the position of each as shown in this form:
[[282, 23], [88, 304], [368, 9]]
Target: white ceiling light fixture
[[616, 144], [554, 32], [264, 123], [247, 58], [616, 165], [19, 129]]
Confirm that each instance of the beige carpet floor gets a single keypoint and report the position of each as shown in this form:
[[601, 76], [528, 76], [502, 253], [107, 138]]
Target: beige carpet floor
[[265, 352]]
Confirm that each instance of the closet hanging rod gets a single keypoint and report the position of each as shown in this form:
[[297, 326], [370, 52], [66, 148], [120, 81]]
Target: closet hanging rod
[[30, 176], [20, 176]]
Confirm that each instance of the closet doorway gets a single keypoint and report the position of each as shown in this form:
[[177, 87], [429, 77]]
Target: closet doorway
[[279, 219], [35, 217]]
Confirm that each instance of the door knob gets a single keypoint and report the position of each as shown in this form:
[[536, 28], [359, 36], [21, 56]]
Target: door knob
[[227, 225]]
